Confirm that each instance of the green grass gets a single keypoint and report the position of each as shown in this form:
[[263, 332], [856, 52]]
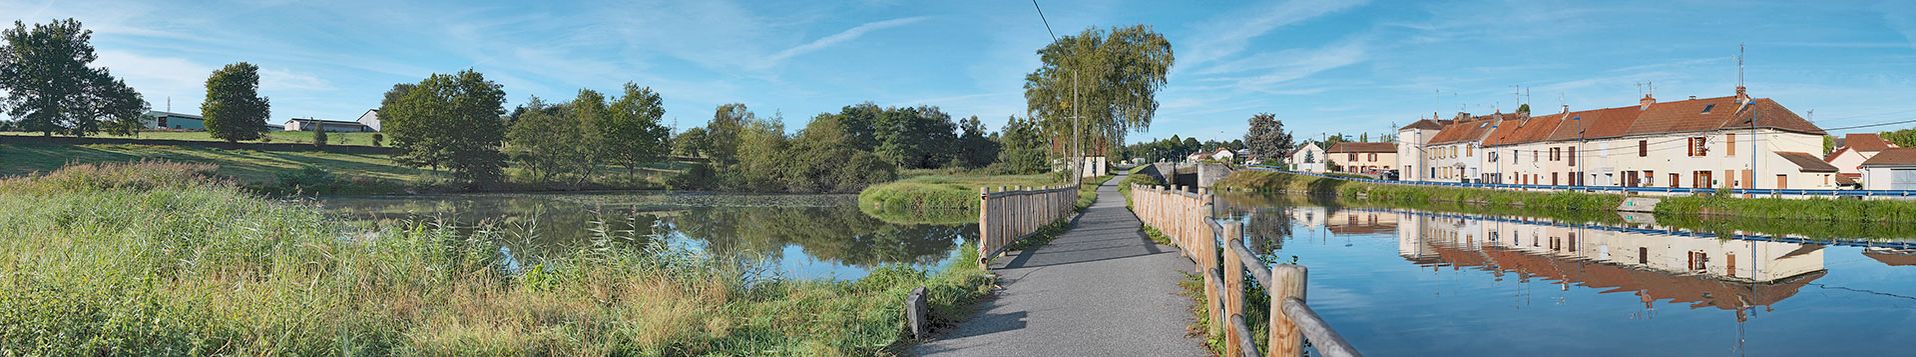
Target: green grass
[[262, 170], [163, 259], [1266, 181], [922, 196], [296, 137]]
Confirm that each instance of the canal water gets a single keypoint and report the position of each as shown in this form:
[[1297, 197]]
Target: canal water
[[789, 236], [1404, 282]]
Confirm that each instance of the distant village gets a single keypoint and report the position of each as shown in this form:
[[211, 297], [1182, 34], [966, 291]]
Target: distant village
[[1735, 141], [162, 120]]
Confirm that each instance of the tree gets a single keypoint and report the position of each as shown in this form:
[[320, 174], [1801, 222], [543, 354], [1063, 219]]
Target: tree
[[1266, 138], [1113, 79], [916, 138], [50, 89], [1022, 147], [826, 159], [761, 155], [546, 141], [690, 143], [632, 133], [449, 120], [233, 109], [319, 134], [1902, 138], [975, 148], [1363, 137], [722, 133]]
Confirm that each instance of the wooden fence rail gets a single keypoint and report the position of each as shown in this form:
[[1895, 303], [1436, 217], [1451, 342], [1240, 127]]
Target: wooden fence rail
[[1008, 215], [1217, 249]]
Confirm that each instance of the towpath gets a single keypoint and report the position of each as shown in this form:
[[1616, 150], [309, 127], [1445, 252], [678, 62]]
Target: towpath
[[1100, 289]]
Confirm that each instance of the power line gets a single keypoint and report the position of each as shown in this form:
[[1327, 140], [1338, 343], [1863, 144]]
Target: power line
[[1047, 23], [1871, 125]]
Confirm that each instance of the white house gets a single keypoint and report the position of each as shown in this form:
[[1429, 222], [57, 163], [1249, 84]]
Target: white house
[[1308, 158], [1223, 154], [1893, 169], [1853, 150], [370, 119], [310, 124], [1411, 140]]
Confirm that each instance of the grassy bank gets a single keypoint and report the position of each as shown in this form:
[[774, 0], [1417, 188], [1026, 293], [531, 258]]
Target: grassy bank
[[164, 259], [295, 137], [281, 171], [1266, 181], [937, 196]]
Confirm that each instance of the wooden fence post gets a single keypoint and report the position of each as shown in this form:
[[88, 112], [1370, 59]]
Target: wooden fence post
[[1233, 289], [1289, 282], [985, 234]]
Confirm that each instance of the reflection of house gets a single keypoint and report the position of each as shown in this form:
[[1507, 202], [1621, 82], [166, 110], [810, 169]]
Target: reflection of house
[[155, 119], [1361, 222], [1891, 257], [1727, 274]]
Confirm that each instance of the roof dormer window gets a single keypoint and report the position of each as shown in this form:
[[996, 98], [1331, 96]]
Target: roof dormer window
[[1707, 108]]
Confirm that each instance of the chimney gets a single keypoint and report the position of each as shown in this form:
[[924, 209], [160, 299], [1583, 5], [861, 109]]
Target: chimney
[[1646, 102], [1742, 95]]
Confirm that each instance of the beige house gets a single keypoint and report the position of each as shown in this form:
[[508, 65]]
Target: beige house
[[1411, 140], [1355, 157], [1732, 141]]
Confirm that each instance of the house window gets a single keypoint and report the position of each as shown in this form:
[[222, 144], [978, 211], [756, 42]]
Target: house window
[[1697, 148], [1573, 156], [1493, 156], [1533, 155], [1556, 154], [1353, 157], [1373, 157], [1467, 151], [1643, 148], [1729, 144]]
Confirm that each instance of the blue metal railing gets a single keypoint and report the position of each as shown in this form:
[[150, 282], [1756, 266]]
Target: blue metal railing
[[1617, 189]]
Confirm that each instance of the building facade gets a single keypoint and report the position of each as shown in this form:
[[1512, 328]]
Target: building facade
[[1355, 157], [154, 119], [1308, 158]]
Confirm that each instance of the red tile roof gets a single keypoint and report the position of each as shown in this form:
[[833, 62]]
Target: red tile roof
[[1513, 132], [1658, 118], [1599, 123], [1468, 130], [1349, 146], [1893, 157], [1866, 142], [1426, 124], [1806, 162]]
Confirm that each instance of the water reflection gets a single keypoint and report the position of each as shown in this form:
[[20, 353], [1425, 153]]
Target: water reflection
[[821, 237], [1409, 282]]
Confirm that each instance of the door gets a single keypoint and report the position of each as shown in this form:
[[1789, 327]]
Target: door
[[1674, 177], [1902, 179], [1702, 179], [1630, 179], [1782, 182]]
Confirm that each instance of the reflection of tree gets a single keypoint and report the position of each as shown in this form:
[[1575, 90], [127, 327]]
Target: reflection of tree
[[839, 234], [1268, 223]]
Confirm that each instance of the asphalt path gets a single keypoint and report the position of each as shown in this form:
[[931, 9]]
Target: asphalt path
[[1100, 289]]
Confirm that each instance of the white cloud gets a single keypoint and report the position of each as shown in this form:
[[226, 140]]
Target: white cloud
[[1232, 34], [286, 80], [1294, 64], [841, 37], [159, 78]]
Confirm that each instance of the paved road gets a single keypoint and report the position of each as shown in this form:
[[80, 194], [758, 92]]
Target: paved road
[[1101, 289]]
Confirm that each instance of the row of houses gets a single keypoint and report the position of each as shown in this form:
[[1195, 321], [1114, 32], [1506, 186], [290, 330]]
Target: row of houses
[[366, 122], [1733, 141]]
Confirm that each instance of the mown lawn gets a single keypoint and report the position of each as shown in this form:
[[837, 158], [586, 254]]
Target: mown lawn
[[296, 137], [249, 167]]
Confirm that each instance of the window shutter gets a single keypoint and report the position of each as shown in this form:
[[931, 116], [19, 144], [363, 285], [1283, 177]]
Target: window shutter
[[1643, 148]]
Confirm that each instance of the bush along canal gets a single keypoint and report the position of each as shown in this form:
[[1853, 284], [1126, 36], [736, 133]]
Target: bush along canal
[[163, 259], [1418, 281]]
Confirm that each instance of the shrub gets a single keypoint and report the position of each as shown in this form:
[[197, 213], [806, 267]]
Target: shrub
[[309, 179]]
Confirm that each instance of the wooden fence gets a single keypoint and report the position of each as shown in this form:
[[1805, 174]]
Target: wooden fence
[[1217, 249], [1006, 216]]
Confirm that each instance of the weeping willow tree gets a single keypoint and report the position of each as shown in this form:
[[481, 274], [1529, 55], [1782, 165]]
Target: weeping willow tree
[[1116, 76]]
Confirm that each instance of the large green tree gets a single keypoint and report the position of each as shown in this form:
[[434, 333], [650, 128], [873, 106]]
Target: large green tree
[[1108, 80], [448, 120], [233, 109], [722, 133], [545, 142], [975, 148], [632, 131], [50, 89], [916, 137], [1266, 138], [1022, 147]]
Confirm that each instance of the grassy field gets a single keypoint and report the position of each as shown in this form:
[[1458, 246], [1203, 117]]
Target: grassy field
[[296, 137], [367, 173], [355, 173], [162, 259]]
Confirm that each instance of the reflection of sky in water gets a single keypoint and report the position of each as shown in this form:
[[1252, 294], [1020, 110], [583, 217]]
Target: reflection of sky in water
[[1408, 285]]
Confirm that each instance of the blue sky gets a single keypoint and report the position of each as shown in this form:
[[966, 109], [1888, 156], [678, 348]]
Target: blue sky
[[1319, 65]]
